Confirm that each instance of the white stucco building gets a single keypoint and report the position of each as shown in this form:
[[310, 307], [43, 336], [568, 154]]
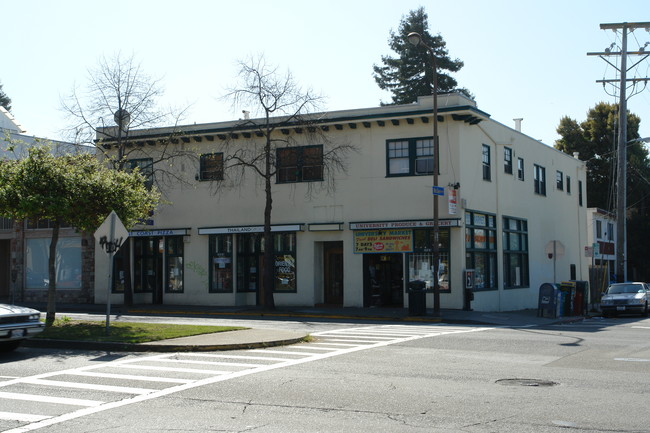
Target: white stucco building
[[507, 197]]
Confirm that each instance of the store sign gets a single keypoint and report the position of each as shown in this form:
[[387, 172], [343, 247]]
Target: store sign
[[413, 224], [383, 241], [161, 232], [249, 229], [452, 200]]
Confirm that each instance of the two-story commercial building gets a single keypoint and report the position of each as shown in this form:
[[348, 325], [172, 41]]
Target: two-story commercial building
[[506, 198]]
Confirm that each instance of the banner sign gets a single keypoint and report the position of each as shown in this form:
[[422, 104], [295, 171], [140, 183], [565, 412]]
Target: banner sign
[[417, 224], [383, 241]]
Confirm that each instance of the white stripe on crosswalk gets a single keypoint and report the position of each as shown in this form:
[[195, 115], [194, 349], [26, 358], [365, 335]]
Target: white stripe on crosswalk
[[96, 387], [50, 399], [22, 417]]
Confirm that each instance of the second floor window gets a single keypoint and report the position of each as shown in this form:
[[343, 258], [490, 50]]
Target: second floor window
[[211, 166], [145, 166], [559, 180], [487, 172], [540, 180], [507, 160], [300, 164], [410, 157], [520, 168]]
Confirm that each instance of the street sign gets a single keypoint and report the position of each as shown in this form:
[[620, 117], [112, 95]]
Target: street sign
[[438, 190], [111, 238], [111, 235]]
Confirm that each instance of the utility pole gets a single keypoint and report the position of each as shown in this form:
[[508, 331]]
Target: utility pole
[[621, 170]]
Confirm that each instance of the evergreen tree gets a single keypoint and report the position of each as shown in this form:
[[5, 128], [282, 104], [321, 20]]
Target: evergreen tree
[[410, 74], [5, 101]]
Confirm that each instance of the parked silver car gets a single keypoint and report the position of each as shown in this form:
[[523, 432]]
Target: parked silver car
[[17, 324], [625, 298]]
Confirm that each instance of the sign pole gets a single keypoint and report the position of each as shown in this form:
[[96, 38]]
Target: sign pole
[[111, 253], [111, 234]]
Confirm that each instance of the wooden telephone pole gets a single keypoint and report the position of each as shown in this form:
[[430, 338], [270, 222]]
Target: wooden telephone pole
[[621, 170]]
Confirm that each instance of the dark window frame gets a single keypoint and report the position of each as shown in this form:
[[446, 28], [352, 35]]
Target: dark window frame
[[540, 179], [295, 165], [481, 248], [520, 169], [221, 252], [486, 162], [145, 166], [507, 160], [515, 250], [580, 193], [559, 180], [413, 151], [209, 169]]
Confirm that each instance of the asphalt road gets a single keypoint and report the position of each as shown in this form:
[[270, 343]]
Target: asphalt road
[[591, 376]]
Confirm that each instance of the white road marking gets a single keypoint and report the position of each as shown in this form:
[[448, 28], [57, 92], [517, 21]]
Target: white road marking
[[129, 377], [50, 399], [77, 385], [171, 369], [632, 359], [379, 337], [23, 417]]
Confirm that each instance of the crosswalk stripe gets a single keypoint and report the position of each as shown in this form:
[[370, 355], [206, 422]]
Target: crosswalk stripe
[[91, 386], [50, 399], [22, 417], [129, 377]]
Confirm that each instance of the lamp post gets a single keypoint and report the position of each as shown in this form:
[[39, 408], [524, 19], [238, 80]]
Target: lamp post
[[416, 39]]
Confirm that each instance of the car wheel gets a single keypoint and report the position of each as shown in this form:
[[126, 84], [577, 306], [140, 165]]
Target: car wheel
[[8, 346], [645, 310]]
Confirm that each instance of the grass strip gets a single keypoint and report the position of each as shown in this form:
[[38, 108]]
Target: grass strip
[[125, 332]]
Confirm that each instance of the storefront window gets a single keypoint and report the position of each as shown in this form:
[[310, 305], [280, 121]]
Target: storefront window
[[250, 258], [174, 259], [421, 261], [220, 263], [480, 247], [68, 263]]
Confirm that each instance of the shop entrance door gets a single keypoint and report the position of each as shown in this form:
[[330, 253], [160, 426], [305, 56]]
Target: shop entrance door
[[333, 273], [383, 280], [148, 267]]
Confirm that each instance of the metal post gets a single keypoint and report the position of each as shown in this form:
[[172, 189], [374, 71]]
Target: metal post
[[111, 253], [621, 175], [416, 39]]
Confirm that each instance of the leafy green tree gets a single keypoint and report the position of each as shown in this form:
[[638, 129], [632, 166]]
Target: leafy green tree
[[595, 139], [73, 189], [5, 101], [410, 73]]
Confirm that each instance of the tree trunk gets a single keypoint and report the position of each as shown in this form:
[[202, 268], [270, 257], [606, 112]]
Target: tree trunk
[[51, 266], [268, 279]]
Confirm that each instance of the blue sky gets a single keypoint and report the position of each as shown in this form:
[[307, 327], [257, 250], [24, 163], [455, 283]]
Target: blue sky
[[522, 58]]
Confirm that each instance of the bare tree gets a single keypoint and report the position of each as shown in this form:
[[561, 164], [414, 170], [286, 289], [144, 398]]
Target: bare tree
[[120, 97], [283, 106]]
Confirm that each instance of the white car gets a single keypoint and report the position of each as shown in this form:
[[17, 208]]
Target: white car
[[17, 324], [625, 298]]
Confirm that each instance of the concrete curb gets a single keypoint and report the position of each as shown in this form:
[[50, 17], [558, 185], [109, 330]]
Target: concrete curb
[[157, 346]]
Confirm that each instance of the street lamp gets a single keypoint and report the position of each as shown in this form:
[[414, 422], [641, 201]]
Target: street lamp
[[621, 209], [416, 39]]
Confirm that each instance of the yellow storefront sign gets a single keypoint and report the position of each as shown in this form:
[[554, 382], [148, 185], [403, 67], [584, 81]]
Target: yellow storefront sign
[[383, 241]]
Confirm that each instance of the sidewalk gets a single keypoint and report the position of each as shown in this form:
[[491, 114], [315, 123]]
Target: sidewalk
[[256, 338]]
